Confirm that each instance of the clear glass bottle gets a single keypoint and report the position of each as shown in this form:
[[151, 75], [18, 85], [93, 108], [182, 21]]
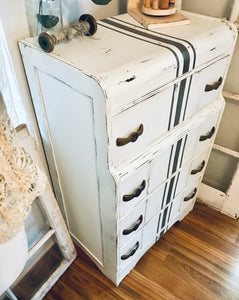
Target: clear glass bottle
[[43, 15]]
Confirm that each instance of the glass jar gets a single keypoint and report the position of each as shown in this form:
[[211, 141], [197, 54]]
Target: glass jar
[[43, 15]]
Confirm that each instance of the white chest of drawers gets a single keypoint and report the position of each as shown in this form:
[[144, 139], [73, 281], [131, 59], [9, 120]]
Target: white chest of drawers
[[127, 119]]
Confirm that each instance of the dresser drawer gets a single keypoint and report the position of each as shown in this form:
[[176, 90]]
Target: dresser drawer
[[196, 141], [183, 203], [137, 127], [167, 191], [132, 190], [138, 245], [191, 149], [205, 86], [130, 252], [198, 166], [149, 233], [132, 223], [203, 135], [134, 129]]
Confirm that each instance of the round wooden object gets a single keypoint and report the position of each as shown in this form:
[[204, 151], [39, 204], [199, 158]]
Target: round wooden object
[[159, 12]]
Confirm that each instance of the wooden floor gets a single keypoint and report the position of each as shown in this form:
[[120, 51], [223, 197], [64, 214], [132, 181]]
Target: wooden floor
[[196, 259]]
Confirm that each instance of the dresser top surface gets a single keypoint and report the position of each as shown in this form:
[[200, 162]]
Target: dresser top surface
[[121, 42]]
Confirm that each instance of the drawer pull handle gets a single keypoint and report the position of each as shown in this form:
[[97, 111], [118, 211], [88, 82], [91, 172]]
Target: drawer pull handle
[[131, 252], [214, 86], [207, 136], [131, 138], [136, 193], [190, 197], [134, 227], [193, 172]]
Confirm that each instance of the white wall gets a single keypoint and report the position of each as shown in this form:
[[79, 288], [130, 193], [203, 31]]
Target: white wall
[[214, 8]]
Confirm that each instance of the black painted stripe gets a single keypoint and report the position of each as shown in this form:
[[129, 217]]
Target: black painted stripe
[[171, 108], [170, 159], [186, 104], [176, 157], [170, 210], [170, 190], [164, 217], [141, 39], [175, 167], [180, 101], [181, 161], [184, 51], [164, 193], [163, 34], [161, 233], [166, 184], [158, 222], [175, 189], [184, 145]]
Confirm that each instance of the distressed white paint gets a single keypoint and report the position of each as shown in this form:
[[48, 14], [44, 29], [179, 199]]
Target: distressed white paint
[[84, 93], [231, 205], [226, 202], [42, 291], [40, 243], [75, 132], [226, 150], [211, 196], [54, 217], [230, 95]]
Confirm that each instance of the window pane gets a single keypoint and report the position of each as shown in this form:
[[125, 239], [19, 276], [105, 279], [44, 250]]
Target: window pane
[[37, 271]]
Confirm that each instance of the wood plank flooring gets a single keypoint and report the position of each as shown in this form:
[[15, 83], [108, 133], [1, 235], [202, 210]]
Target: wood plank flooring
[[197, 258]]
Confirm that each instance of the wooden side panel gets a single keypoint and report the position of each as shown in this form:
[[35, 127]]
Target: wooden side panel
[[73, 145]]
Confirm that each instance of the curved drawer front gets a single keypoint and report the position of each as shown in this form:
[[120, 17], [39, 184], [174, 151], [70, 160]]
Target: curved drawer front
[[176, 208], [134, 129], [130, 251], [155, 226], [139, 244], [137, 127], [132, 223], [183, 203], [174, 157], [206, 86], [190, 153], [167, 191]]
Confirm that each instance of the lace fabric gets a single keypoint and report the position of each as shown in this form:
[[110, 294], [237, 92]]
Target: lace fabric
[[21, 181]]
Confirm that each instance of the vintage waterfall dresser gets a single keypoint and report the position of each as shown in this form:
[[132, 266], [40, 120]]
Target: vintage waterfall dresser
[[127, 119]]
